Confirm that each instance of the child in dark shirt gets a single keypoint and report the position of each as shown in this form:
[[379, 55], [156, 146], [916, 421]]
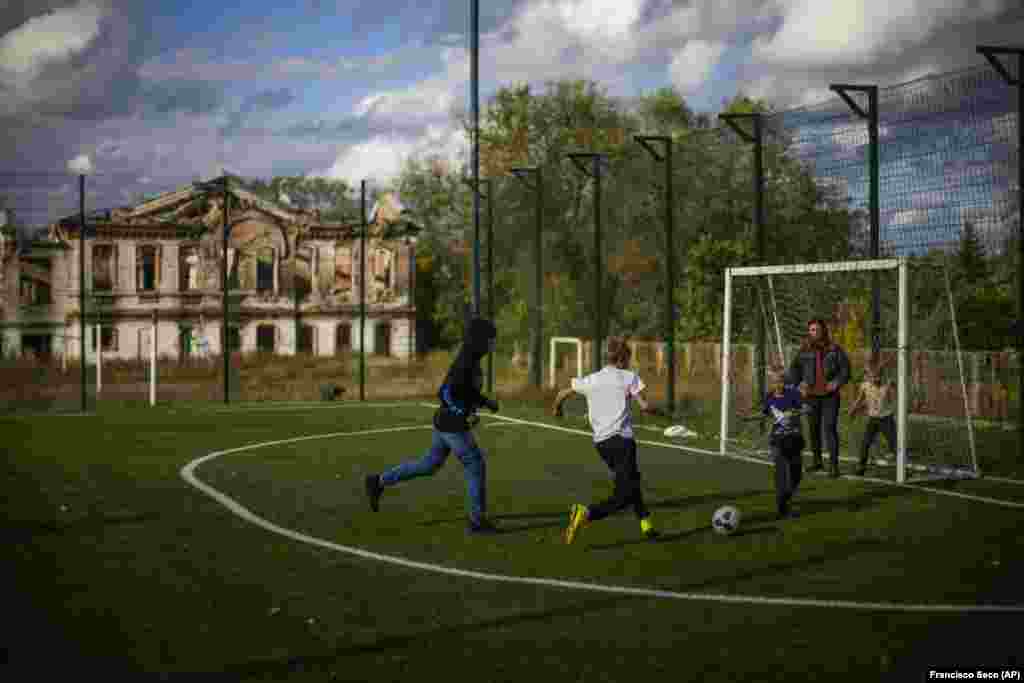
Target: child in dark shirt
[[785, 407]]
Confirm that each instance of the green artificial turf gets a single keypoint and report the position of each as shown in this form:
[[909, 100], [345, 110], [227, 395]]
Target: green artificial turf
[[121, 567]]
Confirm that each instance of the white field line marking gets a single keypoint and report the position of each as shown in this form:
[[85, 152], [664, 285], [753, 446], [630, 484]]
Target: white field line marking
[[759, 461], [1002, 480], [188, 474], [318, 406]]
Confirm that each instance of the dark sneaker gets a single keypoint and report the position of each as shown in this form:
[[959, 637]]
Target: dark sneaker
[[862, 470], [817, 466], [373, 491], [787, 514], [834, 471], [652, 534], [483, 526]]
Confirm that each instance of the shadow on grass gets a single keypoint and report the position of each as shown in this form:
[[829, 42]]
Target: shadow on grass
[[694, 501], [559, 518], [682, 536], [22, 530], [276, 669]]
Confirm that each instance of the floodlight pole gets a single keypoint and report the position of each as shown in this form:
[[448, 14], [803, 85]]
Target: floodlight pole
[[872, 117], [474, 77], [670, 264], [362, 290], [757, 139], [536, 342], [595, 172], [225, 351], [990, 54], [489, 196], [81, 283]]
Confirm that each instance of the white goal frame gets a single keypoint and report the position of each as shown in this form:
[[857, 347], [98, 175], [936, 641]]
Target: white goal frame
[[575, 341], [898, 264]]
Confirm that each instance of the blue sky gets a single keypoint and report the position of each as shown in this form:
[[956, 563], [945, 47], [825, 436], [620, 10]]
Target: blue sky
[[150, 94]]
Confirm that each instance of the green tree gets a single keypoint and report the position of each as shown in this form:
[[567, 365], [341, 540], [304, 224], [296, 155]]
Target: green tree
[[702, 296]]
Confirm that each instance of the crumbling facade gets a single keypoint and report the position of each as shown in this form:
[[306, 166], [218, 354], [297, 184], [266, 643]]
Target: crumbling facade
[[293, 281]]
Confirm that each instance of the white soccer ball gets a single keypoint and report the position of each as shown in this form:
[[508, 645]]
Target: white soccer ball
[[726, 520]]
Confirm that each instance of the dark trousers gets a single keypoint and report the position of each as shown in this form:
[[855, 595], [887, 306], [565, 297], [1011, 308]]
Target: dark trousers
[[789, 469], [620, 456], [824, 416], [886, 425]]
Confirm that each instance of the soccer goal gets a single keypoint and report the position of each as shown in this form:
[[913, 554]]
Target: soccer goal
[[575, 343], [919, 348]]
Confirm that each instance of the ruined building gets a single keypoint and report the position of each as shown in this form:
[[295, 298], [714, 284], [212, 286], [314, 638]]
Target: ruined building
[[293, 281]]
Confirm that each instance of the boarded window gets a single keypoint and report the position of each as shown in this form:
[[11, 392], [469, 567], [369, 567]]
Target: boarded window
[[147, 274], [234, 278], [265, 271], [104, 267], [186, 342], [307, 339], [266, 336], [108, 337], [343, 337], [382, 340], [382, 267], [189, 268], [343, 269], [33, 292]]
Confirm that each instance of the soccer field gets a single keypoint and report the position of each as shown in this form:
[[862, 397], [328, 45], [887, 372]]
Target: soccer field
[[235, 543]]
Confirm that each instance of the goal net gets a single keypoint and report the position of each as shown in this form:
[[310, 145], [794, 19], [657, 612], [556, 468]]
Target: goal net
[[917, 346]]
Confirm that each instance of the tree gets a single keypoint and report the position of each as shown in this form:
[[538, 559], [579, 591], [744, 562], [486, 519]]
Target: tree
[[970, 257], [702, 296], [335, 199]]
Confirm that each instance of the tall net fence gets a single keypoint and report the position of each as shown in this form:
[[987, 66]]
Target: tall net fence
[[949, 184]]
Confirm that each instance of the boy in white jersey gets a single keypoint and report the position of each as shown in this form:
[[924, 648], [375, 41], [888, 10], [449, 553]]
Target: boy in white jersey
[[608, 393]]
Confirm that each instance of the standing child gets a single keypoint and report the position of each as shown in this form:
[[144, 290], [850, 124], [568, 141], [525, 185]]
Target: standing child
[[786, 440], [460, 397], [880, 400], [608, 393]]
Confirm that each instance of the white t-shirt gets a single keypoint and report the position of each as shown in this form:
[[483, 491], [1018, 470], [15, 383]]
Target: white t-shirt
[[608, 393]]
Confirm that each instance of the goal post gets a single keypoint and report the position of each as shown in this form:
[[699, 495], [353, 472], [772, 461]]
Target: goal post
[[555, 341], [919, 333]]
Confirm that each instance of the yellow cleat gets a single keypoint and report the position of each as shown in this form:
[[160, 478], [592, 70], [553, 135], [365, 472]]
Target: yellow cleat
[[648, 530], [577, 517]]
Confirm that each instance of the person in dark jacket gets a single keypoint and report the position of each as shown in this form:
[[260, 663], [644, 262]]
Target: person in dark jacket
[[821, 368], [460, 398]]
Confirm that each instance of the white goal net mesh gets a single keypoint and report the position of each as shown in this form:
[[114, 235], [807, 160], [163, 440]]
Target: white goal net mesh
[[938, 437]]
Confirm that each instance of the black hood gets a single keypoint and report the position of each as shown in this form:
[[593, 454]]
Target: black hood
[[479, 336]]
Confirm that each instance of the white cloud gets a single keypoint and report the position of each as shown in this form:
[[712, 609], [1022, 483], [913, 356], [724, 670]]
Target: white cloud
[[693, 65], [49, 37], [81, 164], [381, 158], [858, 32], [603, 18]]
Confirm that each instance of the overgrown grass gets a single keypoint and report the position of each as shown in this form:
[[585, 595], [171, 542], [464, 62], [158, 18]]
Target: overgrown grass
[[121, 568]]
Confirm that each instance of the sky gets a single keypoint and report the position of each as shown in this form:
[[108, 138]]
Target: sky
[[150, 94]]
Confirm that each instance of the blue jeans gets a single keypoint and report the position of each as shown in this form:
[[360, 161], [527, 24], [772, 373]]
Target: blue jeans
[[441, 444]]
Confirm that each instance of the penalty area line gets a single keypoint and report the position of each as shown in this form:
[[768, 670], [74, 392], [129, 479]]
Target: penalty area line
[[236, 508]]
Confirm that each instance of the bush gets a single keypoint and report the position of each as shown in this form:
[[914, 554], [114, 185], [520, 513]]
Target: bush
[[329, 391]]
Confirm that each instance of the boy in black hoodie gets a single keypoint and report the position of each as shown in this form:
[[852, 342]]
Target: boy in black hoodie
[[460, 397]]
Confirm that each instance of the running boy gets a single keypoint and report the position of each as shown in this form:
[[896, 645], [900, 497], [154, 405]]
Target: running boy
[[608, 393], [460, 397]]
